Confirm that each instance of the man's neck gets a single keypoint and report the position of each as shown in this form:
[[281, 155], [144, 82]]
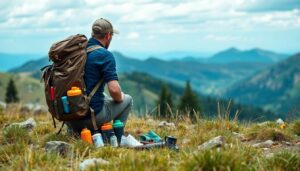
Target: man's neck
[[102, 42]]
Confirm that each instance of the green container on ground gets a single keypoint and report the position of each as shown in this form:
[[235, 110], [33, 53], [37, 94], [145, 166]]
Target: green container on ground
[[118, 129]]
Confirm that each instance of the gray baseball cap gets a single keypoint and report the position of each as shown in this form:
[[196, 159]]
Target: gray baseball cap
[[102, 26]]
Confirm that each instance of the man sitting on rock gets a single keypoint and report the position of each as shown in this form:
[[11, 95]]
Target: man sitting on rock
[[101, 64]]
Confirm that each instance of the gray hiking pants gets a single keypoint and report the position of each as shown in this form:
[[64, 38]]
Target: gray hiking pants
[[111, 111]]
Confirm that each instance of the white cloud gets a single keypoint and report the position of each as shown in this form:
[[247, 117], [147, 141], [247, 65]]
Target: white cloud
[[168, 17], [149, 19], [227, 38], [133, 36]]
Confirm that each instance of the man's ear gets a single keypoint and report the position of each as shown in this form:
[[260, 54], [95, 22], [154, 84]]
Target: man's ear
[[107, 36]]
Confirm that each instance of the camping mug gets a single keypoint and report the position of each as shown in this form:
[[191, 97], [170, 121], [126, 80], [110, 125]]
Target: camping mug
[[170, 141]]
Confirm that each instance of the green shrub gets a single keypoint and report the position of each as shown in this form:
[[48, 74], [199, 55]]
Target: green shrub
[[228, 159], [15, 134], [10, 151], [82, 149], [282, 161], [267, 133], [296, 127], [44, 129]]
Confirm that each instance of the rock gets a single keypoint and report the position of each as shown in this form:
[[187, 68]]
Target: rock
[[287, 143], [266, 144], [266, 149], [25, 110], [239, 136], [218, 141], [2, 105], [264, 123], [29, 124], [86, 164], [38, 110], [279, 121], [60, 147], [166, 124], [269, 155]]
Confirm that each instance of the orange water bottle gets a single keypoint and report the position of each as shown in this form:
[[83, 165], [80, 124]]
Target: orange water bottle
[[106, 130], [75, 91], [86, 136]]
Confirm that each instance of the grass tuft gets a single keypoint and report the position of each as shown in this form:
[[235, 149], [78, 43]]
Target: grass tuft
[[282, 161], [15, 134], [268, 133], [296, 127]]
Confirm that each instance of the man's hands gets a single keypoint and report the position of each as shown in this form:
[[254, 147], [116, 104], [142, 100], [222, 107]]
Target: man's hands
[[114, 90]]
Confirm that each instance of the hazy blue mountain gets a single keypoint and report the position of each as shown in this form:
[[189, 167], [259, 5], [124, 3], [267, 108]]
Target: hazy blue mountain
[[235, 55], [253, 55], [207, 78], [8, 61], [276, 88], [32, 65]]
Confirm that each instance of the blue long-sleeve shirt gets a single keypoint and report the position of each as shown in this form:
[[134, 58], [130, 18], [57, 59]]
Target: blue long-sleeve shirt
[[100, 64]]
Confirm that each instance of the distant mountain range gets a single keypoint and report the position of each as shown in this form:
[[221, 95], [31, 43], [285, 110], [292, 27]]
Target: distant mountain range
[[208, 78], [276, 88], [235, 55], [266, 81]]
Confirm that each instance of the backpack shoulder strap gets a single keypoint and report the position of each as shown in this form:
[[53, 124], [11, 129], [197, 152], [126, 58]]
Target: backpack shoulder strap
[[88, 50], [92, 48], [93, 118], [95, 89]]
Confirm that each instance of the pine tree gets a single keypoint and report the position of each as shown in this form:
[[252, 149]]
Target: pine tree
[[189, 101], [11, 93], [165, 102]]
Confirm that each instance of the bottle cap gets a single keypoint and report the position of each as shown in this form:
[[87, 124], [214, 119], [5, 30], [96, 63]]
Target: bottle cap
[[106, 126], [96, 132], [75, 91], [118, 124]]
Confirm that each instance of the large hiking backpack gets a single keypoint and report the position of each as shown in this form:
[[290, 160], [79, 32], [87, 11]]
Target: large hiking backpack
[[66, 73]]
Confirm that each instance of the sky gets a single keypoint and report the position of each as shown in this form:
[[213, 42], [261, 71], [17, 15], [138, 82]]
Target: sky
[[151, 27]]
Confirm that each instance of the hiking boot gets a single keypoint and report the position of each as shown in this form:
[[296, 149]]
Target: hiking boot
[[129, 141]]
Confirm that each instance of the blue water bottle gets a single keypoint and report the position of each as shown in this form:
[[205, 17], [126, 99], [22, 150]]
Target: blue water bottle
[[65, 104]]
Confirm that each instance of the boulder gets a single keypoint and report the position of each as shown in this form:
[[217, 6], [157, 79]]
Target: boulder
[[25, 110], [29, 124], [38, 110], [86, 164], [2, 105], [269, 155], [266, 144], [239, 136], [166, 124], [218, 141], [60, 147], [279, 121]]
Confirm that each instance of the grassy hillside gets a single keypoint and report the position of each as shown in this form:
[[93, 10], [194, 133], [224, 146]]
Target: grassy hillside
[[145, 90], [22, 150], [30, 90]]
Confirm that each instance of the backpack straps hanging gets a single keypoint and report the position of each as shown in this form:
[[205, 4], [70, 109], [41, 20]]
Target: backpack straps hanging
[[93, 116]]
